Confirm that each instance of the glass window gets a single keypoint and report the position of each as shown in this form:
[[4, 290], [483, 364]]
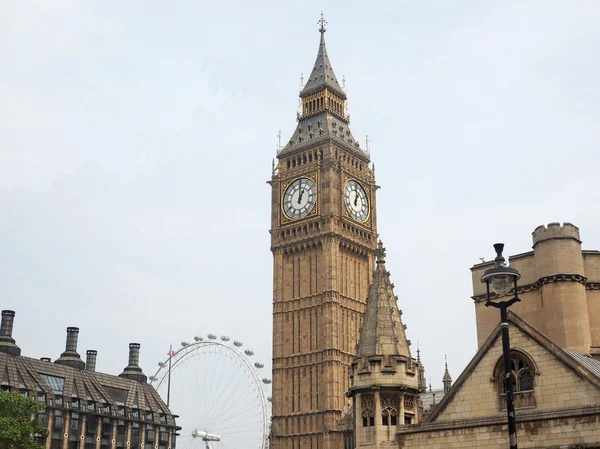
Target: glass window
[[56, 384]]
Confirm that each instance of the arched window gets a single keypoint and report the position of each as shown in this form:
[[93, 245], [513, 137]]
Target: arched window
[[523, 372], [368, 412], [389, 416], [389, 412]]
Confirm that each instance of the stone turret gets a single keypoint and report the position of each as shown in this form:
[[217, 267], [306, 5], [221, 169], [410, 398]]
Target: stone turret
[[559, 264], [559, 290], [385, 380], [447, 380]]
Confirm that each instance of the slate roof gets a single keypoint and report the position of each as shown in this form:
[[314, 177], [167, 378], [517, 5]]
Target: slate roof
[[589, 362], [323, 125], [322, 74], [55, 380]]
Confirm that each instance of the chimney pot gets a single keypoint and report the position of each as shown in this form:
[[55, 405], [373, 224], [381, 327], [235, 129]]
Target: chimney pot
[[132, 370], [45, 359], [7, 342], [70, 357], [90, 361]]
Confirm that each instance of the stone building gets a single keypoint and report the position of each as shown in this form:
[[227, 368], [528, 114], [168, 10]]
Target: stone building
[[323, 238], [559, 290], [343, 373], [86, 409], [556, 377]]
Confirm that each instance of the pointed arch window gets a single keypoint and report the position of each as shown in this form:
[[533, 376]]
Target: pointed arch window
[[368, 412], [389, 412], [523, 371]]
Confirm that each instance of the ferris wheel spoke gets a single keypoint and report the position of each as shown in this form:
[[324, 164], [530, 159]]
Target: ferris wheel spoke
[[242, 406], [217, 389], [234, 397]]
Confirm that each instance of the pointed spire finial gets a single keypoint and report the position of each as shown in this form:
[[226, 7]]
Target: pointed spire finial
[[343, 81], [301, 79], [279, 140], [380, 252], [322, 22], [367, 145]]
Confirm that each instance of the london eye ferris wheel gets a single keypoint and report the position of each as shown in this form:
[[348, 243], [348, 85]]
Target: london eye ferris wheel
[[219, 393]]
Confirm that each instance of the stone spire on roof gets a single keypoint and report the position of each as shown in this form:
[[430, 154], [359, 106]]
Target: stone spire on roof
[[447, 380], [382, 334], [322, 74]]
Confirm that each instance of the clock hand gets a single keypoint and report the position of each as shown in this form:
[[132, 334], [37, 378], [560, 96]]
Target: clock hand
[[301, 193], [356, 199]]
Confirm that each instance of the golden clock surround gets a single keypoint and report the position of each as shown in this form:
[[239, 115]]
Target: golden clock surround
[[316, 210]]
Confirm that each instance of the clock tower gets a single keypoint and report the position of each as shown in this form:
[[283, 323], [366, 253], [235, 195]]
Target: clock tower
[[323, 239]]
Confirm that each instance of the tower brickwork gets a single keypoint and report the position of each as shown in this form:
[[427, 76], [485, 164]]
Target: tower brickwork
[[323, 237], [559, 290]]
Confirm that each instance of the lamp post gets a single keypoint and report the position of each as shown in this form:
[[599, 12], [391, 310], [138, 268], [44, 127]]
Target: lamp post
[[501, 280]]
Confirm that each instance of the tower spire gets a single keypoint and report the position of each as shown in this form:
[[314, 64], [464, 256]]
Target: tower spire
[[447, 380]]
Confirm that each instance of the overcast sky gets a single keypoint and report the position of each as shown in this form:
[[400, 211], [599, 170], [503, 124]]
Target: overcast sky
[[136, 140]]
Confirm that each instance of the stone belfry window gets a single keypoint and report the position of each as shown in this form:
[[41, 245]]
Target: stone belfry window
[[389, 413], [523, 372], [389, 416], [368, 412]]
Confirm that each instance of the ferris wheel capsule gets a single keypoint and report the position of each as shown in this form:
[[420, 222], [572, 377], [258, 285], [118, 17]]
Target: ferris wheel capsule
[[266, 381], [249, 352], [184, 343], [237, 343], [224, 338], [197, 338], [259, 365], [212, 336]]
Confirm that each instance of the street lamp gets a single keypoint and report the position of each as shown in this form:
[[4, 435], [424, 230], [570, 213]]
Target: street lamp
[[501, 280]]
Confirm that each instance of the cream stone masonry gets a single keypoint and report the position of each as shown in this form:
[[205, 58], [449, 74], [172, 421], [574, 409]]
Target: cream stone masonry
[[385, 377], [559, 290], [562, 407]]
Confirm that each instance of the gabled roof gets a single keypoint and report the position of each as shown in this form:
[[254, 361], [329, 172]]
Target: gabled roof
[[382, 333], [584, 366]]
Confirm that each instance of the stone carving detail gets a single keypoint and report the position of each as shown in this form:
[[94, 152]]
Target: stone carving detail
[[409, 403]]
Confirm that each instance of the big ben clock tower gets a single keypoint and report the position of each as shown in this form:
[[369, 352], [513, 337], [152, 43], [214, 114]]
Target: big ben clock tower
[[323, 238]]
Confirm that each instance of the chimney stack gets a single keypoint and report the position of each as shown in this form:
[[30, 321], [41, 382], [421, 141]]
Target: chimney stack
[[133, 371], [7, 343], [70, 357], [90, 361]]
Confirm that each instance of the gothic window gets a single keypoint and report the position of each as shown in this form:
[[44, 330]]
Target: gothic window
[[389, 413], [523, 371], [368, 412]]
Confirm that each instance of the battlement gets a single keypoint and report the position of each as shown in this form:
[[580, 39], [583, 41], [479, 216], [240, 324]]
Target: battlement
[[554, 230]]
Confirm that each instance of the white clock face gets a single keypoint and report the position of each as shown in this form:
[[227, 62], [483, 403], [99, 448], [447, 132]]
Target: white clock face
[[355, 199], [299, 198]]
